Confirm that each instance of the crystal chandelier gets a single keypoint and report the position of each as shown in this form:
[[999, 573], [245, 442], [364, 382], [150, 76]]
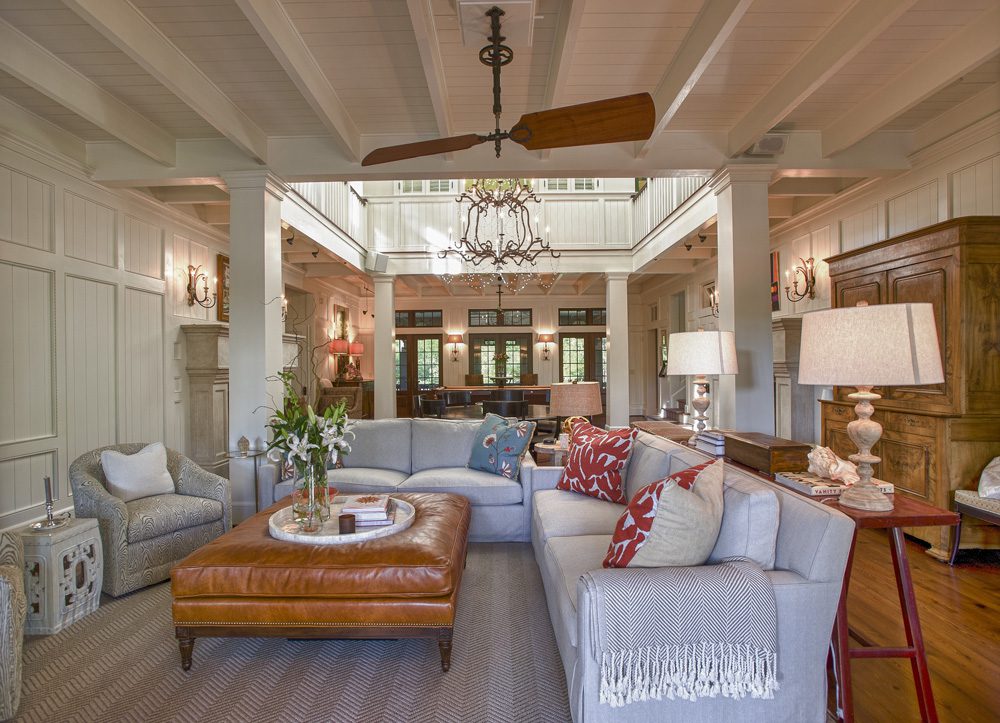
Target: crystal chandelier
[[513, 283], [498, 226]]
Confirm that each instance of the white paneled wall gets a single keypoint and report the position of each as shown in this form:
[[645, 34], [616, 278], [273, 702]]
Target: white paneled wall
[[975, 189], [859, 229], [914, 209], [92, 297]]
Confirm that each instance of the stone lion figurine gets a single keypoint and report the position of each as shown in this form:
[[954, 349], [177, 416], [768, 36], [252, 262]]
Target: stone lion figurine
[[824, 463]]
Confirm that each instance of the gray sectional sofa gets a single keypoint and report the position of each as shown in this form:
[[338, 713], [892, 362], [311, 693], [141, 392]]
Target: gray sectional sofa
[[802, 545], [430, 455]]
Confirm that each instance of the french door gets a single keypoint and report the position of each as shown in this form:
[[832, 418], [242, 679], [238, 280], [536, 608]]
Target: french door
[[418, 368], [583, 357]]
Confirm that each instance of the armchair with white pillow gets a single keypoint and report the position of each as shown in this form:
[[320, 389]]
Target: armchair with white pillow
[[154, 506]]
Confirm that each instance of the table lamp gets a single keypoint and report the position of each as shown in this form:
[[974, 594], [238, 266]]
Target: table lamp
[[701, 354], [864, 346], [575, 399]]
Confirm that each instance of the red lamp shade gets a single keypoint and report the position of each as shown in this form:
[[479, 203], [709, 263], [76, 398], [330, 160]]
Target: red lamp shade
[[356, 348], [339, 346]]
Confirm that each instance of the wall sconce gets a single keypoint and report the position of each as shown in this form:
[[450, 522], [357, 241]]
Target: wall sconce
[[546, 339], [195, 275], [340, 346], [713, 302], [455, 340], [808, 270]]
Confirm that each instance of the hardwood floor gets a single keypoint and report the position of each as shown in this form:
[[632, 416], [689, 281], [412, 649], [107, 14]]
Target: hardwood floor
[[960, 615]]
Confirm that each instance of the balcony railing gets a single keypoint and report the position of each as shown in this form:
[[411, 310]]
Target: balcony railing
[[340, 203], [658, 199]]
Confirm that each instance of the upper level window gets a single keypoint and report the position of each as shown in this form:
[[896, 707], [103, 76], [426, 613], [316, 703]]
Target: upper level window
[[583, 317], [435, 185], [492, 317], [569, 185], [418, 319]]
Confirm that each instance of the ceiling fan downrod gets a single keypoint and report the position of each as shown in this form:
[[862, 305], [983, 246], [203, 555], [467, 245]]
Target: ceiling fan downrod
[[496, 55]]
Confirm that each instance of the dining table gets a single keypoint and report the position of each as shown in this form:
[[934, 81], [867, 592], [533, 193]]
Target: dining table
[[536, 412]]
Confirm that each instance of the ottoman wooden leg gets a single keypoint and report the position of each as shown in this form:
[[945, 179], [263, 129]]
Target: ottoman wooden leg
[[444, 645], [187, 648]]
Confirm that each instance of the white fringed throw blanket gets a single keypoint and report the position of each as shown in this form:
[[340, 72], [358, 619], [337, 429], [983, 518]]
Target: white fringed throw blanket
[[684, 632]]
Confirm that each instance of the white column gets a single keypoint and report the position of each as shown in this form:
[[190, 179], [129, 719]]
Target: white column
[[384, 356], [255, 325], [617, 333], [745, 401]]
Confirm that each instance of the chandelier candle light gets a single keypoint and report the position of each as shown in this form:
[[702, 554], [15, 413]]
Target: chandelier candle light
[[701, 354], [864, 346]]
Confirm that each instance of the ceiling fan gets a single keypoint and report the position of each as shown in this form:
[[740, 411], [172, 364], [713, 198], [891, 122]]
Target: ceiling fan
[[625, 118]]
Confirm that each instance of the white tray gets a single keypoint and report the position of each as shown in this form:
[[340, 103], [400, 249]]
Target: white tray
[[283, 527]]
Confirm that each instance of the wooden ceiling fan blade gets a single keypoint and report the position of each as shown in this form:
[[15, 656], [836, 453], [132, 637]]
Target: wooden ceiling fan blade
[[625, 118], [422, 148]]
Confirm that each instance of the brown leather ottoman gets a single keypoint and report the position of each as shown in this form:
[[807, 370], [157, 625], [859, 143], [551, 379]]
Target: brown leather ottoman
[[248, 584]]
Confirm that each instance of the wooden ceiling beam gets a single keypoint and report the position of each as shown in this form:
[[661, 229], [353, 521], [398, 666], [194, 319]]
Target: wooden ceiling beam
[[29, 62], [131, 32], [949, 61], [180, 195], [279, 33], [422, 19], [853, 31], [568, 24], [709, 32]]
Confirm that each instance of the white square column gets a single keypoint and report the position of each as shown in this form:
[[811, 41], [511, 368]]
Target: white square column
[[745, 402], [617, 357], [255, 326], [384, 354]]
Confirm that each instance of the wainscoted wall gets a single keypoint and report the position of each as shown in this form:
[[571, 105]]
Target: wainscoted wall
[[92, 295]]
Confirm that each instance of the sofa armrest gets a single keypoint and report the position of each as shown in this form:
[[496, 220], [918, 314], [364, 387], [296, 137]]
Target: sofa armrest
[[194, 481], [545, 478]]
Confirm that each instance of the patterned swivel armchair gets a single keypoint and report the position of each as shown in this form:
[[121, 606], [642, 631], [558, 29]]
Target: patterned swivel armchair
[[144, 538], [13, 608]]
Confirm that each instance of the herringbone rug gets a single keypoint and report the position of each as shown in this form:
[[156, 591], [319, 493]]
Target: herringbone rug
[[121, 663]]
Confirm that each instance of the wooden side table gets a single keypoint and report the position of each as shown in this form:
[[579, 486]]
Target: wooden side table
[[556, 453], [906, 512], [63, 573]]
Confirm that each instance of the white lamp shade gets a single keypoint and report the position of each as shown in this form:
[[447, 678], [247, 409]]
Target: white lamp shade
[[882, 345], [702, 352], [581, 399]]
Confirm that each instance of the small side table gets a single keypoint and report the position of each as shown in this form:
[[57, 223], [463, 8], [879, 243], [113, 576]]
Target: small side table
[[63, 573], [906, 512], [557, 453], [255, 455]]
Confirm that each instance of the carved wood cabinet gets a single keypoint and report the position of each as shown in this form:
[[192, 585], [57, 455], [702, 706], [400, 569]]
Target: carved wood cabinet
[[936, 438]]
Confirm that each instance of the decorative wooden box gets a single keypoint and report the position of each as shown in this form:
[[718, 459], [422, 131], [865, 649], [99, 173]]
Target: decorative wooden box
[[766, 453]]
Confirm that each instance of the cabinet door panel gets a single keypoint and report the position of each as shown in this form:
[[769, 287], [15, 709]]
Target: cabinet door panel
[[907, 463], [868, 288]]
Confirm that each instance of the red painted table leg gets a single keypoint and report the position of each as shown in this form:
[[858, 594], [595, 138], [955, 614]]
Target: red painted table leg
[[911, 624], [841, 656]]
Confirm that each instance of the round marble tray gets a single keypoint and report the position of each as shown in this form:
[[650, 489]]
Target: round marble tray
[[283, 527]]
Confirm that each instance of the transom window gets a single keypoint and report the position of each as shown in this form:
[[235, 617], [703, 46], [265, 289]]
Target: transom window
[[583, 317], [434, 185], [570, 185], [418, 318], [493, 317]]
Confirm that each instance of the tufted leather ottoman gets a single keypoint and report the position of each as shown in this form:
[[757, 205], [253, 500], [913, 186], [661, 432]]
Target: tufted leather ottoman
[[248, 584]]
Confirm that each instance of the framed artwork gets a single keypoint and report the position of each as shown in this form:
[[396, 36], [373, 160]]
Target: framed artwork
[[222, 277], [775, 275], [339, 322], [707, 294]]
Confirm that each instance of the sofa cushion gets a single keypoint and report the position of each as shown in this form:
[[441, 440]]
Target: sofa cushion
[[134, 476], [595, 461], [500, 444], [441, 442], [749, 520], [649, 462], [380, 443], [566, 559], [564, 514], [364, 479], [157, 515], [481, 488], [673, 522]]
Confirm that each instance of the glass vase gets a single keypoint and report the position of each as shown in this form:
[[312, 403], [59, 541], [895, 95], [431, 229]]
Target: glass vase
[[310, 500]]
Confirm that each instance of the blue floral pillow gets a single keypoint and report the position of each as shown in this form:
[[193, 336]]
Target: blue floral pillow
[[500, 444]]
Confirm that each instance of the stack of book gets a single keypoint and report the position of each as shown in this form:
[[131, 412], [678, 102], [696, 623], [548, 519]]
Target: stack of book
[[711, 442], [819, 486], [369, 510]]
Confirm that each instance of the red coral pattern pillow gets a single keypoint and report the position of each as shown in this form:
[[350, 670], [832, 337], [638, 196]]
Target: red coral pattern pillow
[[595, 461], [634, 525]]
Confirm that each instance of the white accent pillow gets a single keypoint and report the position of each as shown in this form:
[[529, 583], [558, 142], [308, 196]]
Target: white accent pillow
[[989, 481], [143, 474]]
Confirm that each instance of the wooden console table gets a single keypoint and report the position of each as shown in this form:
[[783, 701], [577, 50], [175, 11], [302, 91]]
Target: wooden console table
[[906, 512]]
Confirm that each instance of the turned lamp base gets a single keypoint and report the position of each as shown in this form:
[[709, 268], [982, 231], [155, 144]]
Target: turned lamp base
[[865, 432], [865, 498], [700, 404]]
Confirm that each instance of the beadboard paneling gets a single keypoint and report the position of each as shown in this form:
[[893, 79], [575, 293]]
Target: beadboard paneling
[[859, 229], [618, 222], [91, 386], [382, 224], [143, 248], [21, 481], [27, 387], [975, 189], [185, 252], [89, 230], [912, 210], [142, 380], [421, 224], [25, 210], [573, 223]]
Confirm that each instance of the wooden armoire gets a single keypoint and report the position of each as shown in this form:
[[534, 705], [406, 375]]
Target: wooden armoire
[[936, 438]]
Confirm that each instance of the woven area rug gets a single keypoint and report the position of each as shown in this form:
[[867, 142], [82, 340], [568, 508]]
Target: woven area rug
[[121, 663]]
